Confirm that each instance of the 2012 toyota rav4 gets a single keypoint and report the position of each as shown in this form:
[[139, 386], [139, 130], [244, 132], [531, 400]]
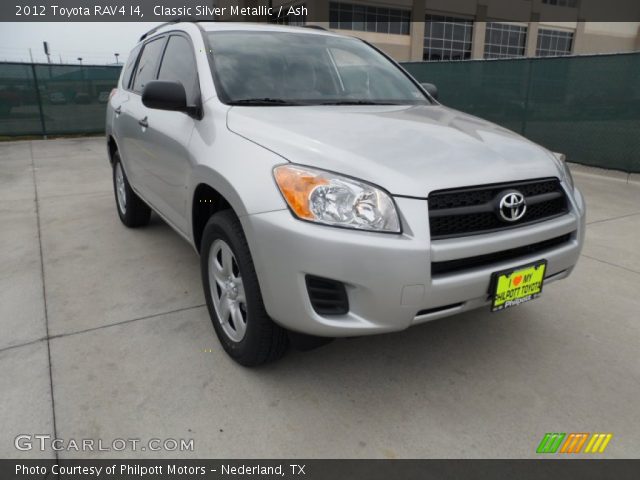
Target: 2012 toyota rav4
[[327, 193]]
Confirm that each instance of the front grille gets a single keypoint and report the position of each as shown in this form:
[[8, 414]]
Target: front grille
[[450, 266], [474, 210], [328, 297]]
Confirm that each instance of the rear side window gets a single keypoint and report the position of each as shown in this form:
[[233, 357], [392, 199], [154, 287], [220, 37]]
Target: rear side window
[[148, 64], [128, 68], [179, 65]]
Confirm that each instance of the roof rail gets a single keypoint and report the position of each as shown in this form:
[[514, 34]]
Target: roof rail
[[315, 27], [170, 22]]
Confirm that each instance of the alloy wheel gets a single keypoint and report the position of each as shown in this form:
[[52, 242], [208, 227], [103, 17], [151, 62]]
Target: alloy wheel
[[121, 192], [227, 290]]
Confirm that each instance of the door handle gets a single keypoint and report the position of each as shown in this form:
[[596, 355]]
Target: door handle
[[118, 110], [143, 123]]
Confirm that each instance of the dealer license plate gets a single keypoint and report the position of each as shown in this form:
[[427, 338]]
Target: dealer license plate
[[515, 286]]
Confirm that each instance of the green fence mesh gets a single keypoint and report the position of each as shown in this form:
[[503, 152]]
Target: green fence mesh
[[54, 99], [587, 107]]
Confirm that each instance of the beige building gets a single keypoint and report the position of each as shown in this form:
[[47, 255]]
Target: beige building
[[471, 29]]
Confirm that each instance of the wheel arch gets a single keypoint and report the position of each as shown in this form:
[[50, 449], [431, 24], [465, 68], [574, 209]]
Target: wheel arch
[[112, 148], [206, 202]]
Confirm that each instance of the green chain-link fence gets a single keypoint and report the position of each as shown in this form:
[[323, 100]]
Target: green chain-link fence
[[54, 99], [587, 107]]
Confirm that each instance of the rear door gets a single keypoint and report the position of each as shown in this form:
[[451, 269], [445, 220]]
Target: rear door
[[120, 111]]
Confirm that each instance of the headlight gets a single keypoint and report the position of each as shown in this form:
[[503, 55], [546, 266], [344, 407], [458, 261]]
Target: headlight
[[332, 199], [562, 161]]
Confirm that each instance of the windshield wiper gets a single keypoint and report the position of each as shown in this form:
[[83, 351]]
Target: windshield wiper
[[263, 101]]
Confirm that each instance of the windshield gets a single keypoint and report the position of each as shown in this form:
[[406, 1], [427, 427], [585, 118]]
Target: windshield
[[280, 68]]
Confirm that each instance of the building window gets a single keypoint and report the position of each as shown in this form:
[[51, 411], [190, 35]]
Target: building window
[[447, 38], [562, 3], [365, 18], [504, 40], [552, 43], [293, 20]]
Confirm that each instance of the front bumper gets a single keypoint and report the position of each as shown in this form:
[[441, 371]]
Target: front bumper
[[388, 277]]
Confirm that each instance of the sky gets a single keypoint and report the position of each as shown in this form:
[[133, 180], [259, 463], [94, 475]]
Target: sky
[[95, 42]]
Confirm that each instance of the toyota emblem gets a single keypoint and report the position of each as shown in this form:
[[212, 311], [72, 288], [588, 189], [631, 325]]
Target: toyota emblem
[[512, 206]]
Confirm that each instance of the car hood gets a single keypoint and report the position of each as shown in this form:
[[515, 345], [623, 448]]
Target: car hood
[[408, 150]]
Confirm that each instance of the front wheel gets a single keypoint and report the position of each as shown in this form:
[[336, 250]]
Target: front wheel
[[233, 295]]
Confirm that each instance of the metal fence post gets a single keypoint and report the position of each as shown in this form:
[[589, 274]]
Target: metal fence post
[[39, 98]]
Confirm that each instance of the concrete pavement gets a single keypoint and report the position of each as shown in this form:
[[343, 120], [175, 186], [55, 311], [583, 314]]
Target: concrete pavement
[[104, 336]]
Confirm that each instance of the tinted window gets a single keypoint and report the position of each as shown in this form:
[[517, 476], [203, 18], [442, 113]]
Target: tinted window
[[128, 69], [148, 64], [179, 65]]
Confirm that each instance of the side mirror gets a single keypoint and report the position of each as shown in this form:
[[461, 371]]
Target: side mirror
[[164, 95], [431, 89]]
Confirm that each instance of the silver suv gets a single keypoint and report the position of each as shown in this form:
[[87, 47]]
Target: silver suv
[[327, 192]]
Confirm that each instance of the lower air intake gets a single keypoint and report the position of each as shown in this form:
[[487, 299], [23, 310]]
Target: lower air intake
[[328, 297]]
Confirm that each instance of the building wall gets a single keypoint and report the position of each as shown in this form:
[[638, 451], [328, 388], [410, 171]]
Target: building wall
[[396, 46], [588, 37], [607, 37]]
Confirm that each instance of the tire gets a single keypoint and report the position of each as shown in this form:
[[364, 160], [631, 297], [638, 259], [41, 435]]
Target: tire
[[244, 329], [133, 212]]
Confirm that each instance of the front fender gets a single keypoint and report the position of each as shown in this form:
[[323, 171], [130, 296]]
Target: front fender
[[238, 169]]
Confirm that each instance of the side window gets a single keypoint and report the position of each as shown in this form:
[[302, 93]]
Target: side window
[[179, 65], [128, 68], [148, 64]]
